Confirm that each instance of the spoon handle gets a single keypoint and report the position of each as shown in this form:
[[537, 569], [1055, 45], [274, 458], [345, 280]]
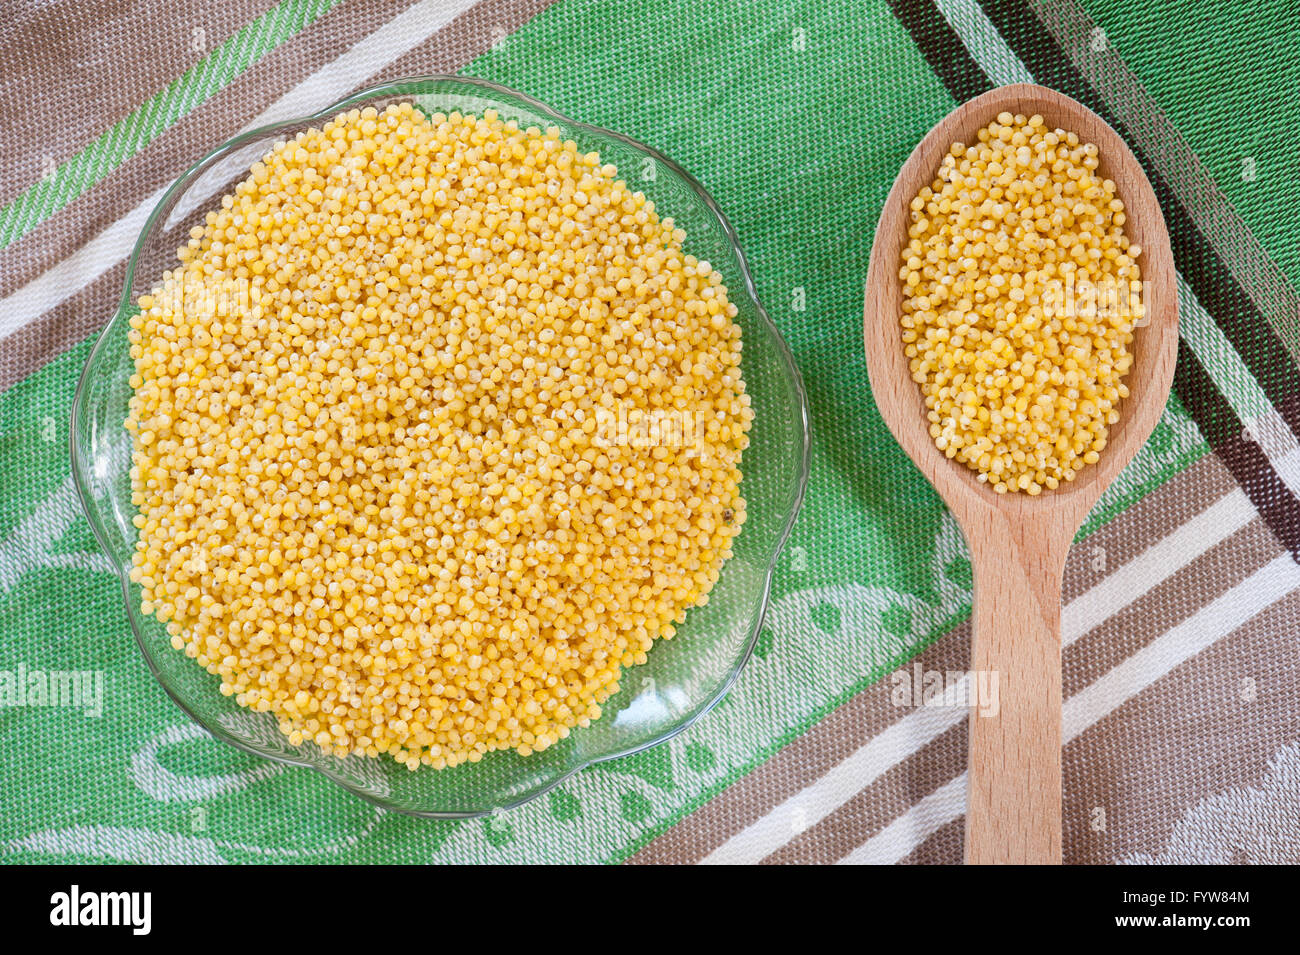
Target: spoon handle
[[1013, 811]]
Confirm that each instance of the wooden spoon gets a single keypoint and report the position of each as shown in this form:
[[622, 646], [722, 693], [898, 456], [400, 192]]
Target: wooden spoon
[[1019, 543]]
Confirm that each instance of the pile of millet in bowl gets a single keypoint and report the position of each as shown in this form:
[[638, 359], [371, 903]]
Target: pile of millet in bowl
[[1021, 293], [401, 497]]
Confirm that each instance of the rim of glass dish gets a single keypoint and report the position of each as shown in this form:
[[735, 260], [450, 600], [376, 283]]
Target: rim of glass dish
[[400, 87]]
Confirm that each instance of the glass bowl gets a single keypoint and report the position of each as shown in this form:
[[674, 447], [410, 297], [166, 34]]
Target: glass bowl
[[683, 677]]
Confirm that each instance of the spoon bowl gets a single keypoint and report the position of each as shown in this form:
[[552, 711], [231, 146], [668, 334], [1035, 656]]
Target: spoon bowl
[[1019, 543]]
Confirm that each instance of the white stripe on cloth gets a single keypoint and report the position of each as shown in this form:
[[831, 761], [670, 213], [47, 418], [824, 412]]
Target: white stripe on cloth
[[849, 777], [331, 82], [1156, 564], [898, 839]]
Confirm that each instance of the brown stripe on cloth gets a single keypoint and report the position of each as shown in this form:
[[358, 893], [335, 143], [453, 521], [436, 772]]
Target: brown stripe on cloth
[[1096, 653], [1210, 725], [1147, 521], [1173, 600], [889, 796], [803, 760], [105, 66], [944, 846], [33, 345]]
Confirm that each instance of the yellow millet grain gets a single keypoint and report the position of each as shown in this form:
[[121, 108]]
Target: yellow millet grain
[[388, 501], [1021, 370]]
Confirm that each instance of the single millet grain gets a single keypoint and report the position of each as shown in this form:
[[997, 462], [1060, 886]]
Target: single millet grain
[[389, 501], [1019, 304]]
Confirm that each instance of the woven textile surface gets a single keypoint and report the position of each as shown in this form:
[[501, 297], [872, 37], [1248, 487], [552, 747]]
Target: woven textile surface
[[1182, 593]]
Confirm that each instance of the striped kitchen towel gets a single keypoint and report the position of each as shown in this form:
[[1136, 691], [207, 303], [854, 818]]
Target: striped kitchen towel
[[1182, 617]]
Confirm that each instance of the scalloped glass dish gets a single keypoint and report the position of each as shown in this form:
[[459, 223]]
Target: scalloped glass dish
[[683, 677]]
